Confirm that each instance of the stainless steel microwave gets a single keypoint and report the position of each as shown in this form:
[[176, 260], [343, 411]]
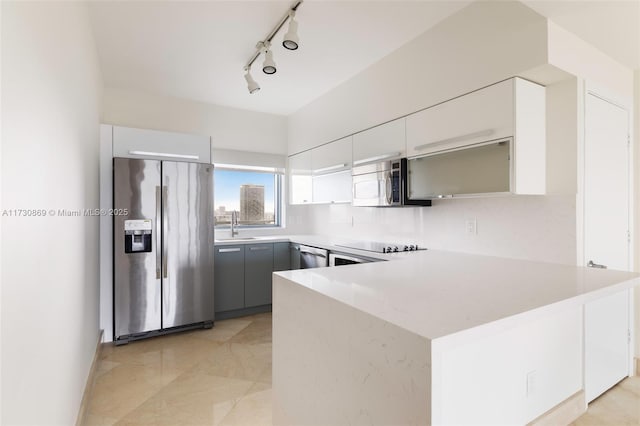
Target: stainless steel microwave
[[382, 184]]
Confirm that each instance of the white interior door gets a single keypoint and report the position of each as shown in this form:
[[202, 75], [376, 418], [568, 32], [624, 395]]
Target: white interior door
[[606, 240], [606, 184]]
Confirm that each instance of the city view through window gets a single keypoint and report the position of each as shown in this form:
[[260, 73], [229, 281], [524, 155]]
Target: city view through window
[[251, 194]]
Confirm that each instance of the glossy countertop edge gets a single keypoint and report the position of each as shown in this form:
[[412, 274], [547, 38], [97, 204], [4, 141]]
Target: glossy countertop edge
[[427, 292]]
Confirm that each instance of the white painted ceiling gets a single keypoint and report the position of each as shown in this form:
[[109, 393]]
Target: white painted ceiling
[[197, 49], [609, 25]]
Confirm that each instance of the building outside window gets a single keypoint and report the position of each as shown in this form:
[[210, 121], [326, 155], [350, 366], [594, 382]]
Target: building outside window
[[252, 192]]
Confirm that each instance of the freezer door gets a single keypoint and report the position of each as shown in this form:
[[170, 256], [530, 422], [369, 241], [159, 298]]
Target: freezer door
[[187, 289], [137, 285]]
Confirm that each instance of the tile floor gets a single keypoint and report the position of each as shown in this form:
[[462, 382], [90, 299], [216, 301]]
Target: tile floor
[[222, 376]]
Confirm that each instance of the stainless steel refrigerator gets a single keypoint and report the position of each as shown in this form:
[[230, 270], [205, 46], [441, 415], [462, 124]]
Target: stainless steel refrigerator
[[163, 247]]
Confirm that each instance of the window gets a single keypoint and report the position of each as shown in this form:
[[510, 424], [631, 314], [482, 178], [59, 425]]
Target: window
[[255, 193]]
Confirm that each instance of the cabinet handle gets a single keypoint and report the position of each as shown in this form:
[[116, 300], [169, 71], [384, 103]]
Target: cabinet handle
[[590, 264], [461, 138], [228, 250], [377, 158], [331, 168], [165, 154], [259, 248]]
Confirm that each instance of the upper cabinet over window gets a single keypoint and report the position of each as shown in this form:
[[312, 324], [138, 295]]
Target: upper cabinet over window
[[513, 108], [384, 142]]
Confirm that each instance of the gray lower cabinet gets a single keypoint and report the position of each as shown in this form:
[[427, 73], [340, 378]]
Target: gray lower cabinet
[[229, 278], [258, 260], [243, 275], [281, 257]]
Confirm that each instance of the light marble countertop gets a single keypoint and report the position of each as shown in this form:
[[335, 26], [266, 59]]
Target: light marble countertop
[[436, 293]]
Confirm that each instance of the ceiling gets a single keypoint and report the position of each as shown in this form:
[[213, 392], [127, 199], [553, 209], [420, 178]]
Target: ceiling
[[609, 25], [197, 49]]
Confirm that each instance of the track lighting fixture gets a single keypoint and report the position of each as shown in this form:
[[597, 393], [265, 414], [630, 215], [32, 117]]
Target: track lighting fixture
[[290, 42], [252, 86], [268, 66]]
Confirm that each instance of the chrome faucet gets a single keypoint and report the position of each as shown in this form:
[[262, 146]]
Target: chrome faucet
[[234, 223]]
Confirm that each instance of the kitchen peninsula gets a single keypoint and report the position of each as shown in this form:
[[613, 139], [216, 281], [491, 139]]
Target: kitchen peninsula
[[422, 340]]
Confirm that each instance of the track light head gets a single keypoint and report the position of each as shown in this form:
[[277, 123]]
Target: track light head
[[290, 40], [252, 86], [268, 66]]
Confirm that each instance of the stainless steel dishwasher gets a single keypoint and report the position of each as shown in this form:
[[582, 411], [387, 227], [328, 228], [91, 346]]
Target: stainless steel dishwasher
[[311, 257]]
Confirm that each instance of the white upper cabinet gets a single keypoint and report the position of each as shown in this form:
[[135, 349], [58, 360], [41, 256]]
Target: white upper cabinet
[[322, 174], [380, 143], [300, 181], [332, 156], [129, 142], [332, 172], [514, 108]]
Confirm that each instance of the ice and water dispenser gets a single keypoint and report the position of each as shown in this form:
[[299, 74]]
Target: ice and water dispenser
[[137, 236]]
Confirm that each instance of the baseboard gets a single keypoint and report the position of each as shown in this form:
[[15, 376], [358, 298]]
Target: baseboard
[[243, 312], [565, 412], [88, 387]]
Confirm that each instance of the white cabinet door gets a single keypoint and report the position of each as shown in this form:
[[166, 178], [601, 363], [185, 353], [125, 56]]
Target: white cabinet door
[[483, 115], [606, 343], [332, 156], [332, 187], [331, 180], [300, 180], [153, 144], [382, 142], [514, 108]]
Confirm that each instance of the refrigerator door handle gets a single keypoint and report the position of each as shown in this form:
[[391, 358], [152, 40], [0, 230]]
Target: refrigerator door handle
[[158, 239], [165, 229]]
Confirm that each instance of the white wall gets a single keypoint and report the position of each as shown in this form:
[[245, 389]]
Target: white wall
[[51, 110], [1, 207], [636, 109], [482, 44], [229, 128]]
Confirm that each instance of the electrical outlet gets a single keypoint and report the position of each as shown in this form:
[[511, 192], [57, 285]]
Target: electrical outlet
[[471, 226], [531, 383]]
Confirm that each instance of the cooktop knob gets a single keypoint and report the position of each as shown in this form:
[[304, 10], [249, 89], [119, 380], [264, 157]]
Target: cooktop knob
[[395, 249], [388, 249], [412, 247], [406, 248]]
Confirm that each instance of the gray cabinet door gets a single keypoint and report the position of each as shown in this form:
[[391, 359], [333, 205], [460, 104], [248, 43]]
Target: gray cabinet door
[[259, 266], [281, 257], [294, 253], [229, 278]]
